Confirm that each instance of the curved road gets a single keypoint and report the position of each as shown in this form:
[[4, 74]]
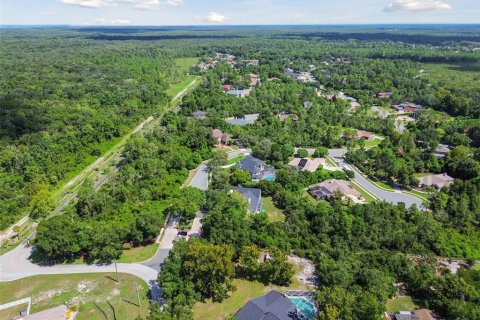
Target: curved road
[[388, 196]]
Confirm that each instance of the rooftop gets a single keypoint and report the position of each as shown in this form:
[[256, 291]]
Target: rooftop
[[439, 180], [247, 119], [253, 196], [306, 164], [329, 187], [272, 306]]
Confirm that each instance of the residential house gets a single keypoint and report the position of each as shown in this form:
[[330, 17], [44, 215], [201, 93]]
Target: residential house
[[253, 196], [257, 168], [200, 115], [306, 164], [383, 95], [407, 107], [362, 134], [437, 180], [227, 87], [343, 96], [327, 188], [307, 104], [272, 306], [290, 73], [251, 62], [221, 138], [284, 116], [247, 119], [239, 93], [354, 105], [422, 314], [441, 151], [254, 80]]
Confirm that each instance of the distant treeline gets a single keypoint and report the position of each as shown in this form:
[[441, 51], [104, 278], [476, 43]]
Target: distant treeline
[[381, 36]]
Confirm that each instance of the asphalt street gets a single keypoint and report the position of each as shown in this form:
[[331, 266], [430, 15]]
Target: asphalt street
[[394, 197]]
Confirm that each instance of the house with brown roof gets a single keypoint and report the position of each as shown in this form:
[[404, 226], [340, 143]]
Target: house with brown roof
[[438, 180], [284, 116], [227, 87], [362, 134], [383, 95], [327, 188], [220, 137], [306, 164], [421, 314]]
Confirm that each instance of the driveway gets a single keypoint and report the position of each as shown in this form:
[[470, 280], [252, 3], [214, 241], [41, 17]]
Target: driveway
[[394, 197]]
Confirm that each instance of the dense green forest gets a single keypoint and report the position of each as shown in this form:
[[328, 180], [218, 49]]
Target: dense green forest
[[67, 94]]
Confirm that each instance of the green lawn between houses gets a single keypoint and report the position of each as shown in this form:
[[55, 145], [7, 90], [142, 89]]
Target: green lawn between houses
[[402, 303], [139, 254], [274, 214], [90, 291], [235, 160]]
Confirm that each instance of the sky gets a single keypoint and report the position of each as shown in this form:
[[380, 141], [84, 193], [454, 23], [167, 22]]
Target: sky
[[236, 12]]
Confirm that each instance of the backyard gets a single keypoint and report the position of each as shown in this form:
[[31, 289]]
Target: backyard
[[245, 290], [401, 303], [274, 214]]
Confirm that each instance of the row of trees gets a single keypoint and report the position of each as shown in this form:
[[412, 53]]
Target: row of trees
[[132, 206]]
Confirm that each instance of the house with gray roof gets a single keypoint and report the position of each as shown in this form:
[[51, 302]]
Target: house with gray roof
[[328, 188], [239, 93], [253, 196], [200, 115], [257, 168], [272, 306], [247, 119]]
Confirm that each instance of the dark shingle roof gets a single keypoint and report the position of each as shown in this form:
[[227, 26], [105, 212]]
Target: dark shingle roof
[[252, 165], [272, 306], [253, 196]]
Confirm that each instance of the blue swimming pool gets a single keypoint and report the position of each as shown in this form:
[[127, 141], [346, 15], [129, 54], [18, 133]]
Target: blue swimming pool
[[306, 307], [270, 177]]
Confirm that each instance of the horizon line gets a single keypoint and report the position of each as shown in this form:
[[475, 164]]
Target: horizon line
[[244, 25]]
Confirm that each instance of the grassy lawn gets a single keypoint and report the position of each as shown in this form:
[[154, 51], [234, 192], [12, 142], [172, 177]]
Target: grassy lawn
[[372, 143], [274, 214], [138, 254], [422, 174], [90, 291], [12, 313], [185, 63], [235, 160], [383, 185], [246, 290], [331, 162], [364, 194], [403, 303], [476, 266], [422, 195], [177, 87]]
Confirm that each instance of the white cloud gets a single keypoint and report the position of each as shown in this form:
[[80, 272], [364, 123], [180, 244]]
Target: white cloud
[[216, 17], [147, 4], [87, 3], [174, 2], [137, 4], [416, 5], [103, 21]]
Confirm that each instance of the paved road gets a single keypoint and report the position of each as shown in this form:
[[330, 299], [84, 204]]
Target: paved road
[[388, 196], [200, 181]]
